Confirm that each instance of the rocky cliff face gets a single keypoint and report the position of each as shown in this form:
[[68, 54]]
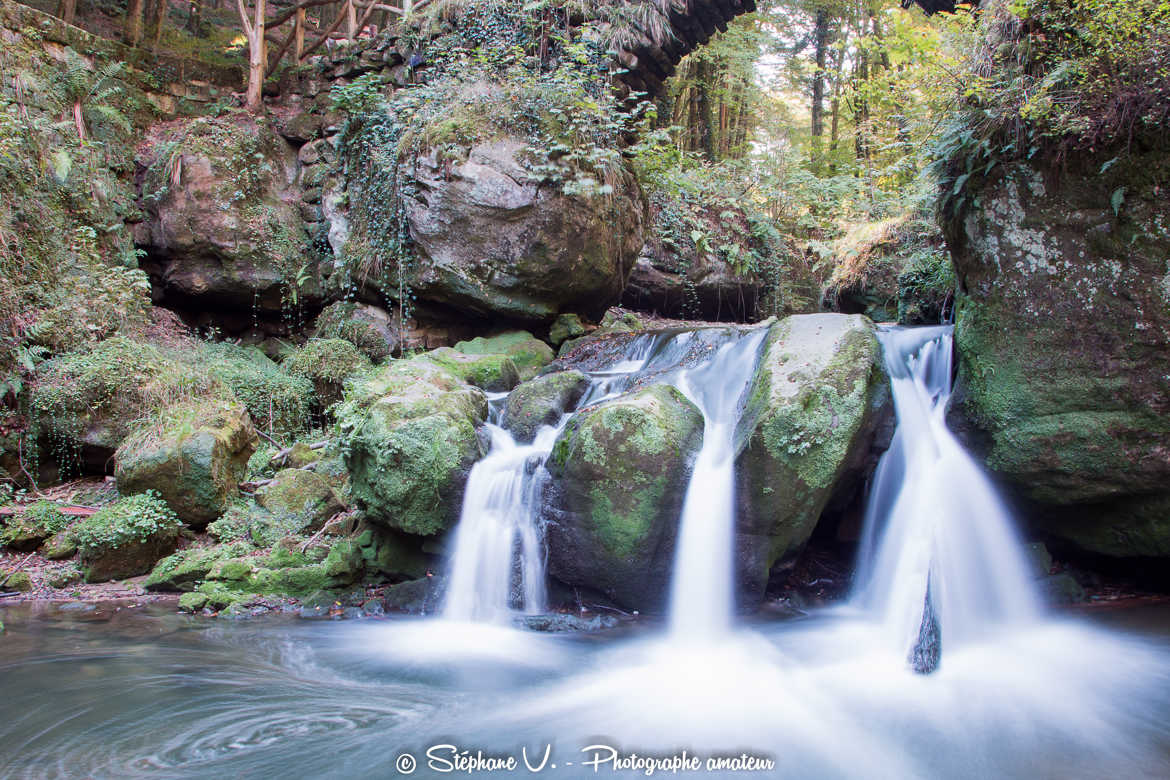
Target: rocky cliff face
[[1063, 331]]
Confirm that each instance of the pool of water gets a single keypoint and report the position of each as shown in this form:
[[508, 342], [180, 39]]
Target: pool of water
[[148, 693]]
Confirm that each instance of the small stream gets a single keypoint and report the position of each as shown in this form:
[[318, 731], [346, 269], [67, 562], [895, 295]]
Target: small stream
[[150, 693]]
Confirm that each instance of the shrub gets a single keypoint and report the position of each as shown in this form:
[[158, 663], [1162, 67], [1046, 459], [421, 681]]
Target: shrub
[[132, 519]]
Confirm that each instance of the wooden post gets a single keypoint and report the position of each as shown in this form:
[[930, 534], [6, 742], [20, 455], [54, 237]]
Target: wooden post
[[350, 20], [299, 33]]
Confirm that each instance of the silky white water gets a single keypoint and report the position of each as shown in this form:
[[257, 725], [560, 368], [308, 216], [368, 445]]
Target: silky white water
[[934, 516], [701, 597]]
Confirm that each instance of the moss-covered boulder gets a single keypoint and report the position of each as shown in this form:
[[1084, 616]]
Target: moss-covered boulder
[[528, 353], [223, 214], [566, 326], [493, 372], [542, 401], [24, 531], [194, 457], [368, 328], [621, 472], [409, 437], [327, 363], [59, 546], [302, 494], [19, 581], [94, 398], [126, 538], [393, 554], [279, 403], [810, 411], [184, 570], [1063, 334]]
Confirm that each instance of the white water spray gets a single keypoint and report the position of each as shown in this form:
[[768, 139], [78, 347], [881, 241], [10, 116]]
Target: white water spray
[[934, 521]]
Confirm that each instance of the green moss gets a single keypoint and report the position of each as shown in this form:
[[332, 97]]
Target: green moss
[[348, 321], [278, 403], [528, 353], [327, 363], [492, 372], [133, 519], [183, 570], [35, 523], [232, 570], [624, 510], [192, 602], [20, 581]]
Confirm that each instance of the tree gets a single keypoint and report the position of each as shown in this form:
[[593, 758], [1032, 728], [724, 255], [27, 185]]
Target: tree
[[254, 32]]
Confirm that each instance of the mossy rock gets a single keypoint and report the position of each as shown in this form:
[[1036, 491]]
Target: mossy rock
[[1063, 336], [409, 434], [65, 578], [492, 372], [183, 570], [232, 569], [96, 397], [35, 523], [194, 458], [303, 494], [542, 401], [327, 363], [422, 596], [811, 410], [126, 538], [566, 326], [279, 403], [59, 546], [621, 472], [368, 328], [19, 581], [192, 602], [395, 555], [528, 353]]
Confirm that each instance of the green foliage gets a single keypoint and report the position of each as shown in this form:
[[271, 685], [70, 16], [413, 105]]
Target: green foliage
[[280, 404], [327, 363], [132, 519], [1053, 77]]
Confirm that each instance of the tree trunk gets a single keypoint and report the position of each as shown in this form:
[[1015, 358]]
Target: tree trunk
[[132, 31], [821, 41], [67, 10], [195, 17], [254, 32]]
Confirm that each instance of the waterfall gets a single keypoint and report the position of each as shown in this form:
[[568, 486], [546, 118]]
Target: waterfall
[[498, 559], [701, 594], [938, 546]]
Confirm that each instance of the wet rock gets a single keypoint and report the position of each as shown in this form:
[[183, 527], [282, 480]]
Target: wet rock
[[811, 409], [566, 326], [620, 474], [423, 596], [560, 623], [126, 538], [542, 401], [1062, 589], [492, 372]]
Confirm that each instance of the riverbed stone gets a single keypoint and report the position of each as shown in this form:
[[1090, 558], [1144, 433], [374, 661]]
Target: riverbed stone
[[302, 494], [620, 475], [811, 409], [528, 353], [542, 401]]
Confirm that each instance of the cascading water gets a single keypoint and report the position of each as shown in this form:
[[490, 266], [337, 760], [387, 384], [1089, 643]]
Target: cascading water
[[701, 596], [498, 558], [938, 543]]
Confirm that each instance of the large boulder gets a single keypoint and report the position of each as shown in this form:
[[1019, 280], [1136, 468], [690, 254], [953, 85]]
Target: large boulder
[[194, 458], [810, 411], [620, 475], [409, 434], [1063, 331], [303, 495], [498, 242], [369, 328], [224, 225]]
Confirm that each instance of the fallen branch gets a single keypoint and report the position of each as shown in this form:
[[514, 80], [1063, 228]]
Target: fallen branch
[[282, 456]]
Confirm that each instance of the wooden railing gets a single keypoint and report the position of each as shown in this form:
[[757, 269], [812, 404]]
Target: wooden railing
[[347, 25]]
